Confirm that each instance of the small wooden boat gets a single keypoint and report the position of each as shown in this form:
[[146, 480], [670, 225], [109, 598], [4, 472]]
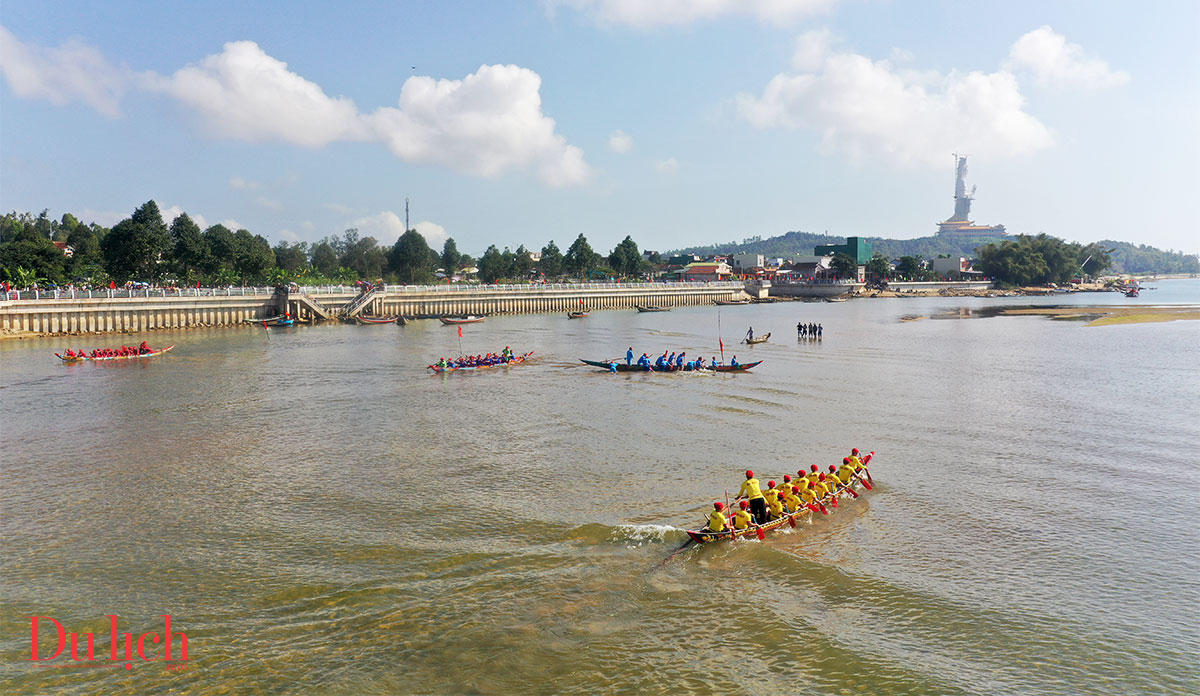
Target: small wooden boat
[[730, 302], [86, 358], [279, 322], [651, 308], [758, 339], [577, 315], [516, 360], [701, 536], [402, 320], [376, 320], [1132, 292], [469, 319], [622, 367]]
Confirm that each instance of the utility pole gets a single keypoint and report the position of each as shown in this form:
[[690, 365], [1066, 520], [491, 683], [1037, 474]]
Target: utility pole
[[406, 227]]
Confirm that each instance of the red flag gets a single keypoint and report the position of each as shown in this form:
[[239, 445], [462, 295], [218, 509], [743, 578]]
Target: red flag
[[460, 332], [112, 285], [581, 300], [722, 349]]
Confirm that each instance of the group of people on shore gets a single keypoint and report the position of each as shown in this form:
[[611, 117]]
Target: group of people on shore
[[122, 352], [809, 489], [809, 330], [488, 359], [670, 362]]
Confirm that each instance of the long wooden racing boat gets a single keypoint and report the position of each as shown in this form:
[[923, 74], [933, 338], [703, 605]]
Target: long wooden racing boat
[[758, 339], [704, 535], [516, 360], [622, 367], [730, 302], [651, 308], [469, 319], [376, 320], [87, 358]]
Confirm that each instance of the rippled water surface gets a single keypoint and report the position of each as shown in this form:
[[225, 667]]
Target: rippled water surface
[[321, 514]]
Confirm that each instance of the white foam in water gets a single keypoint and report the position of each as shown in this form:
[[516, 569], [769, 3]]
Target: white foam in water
[[643, 532]]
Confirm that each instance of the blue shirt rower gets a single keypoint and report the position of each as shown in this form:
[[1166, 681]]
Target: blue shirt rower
[[629, 356]]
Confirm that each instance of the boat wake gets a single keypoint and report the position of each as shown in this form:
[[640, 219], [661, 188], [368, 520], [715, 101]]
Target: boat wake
[[628, 535]]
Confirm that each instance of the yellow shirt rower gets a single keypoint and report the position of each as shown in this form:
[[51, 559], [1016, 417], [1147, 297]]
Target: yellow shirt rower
[[716, 518], [751, 492], [742, 518]]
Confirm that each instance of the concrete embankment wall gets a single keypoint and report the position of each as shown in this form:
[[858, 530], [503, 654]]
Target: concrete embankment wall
[[101, 315]]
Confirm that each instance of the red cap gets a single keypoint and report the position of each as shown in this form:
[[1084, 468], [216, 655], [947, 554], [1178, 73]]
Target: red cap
[[787, 478], [854, 451], [745, 505], [845, 460], [770, 484], [821, 477], [749, 473], [795, 489], [814, 467], [719, 505], [832, 468]]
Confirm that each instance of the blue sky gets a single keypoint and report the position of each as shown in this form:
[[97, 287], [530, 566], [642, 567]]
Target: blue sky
[[678, 122]]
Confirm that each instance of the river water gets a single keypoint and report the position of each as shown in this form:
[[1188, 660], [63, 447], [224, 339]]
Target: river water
[[319, 513]]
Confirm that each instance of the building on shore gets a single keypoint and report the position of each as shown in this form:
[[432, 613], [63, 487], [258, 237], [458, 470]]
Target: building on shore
[[959, 224], [705, 272], [856, 248]]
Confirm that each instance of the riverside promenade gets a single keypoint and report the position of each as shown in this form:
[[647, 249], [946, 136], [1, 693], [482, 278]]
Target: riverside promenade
[[66, 312]]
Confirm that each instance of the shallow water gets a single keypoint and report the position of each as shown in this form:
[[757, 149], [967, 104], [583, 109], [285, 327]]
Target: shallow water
[[320, 513]]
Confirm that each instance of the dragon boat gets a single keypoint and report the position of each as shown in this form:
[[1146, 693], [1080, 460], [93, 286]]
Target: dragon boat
[[88, 358], [704, 535], [516, 360], [622, 367]]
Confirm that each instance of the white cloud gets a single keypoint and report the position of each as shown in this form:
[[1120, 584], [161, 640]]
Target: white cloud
[[650, 13], [668, 166], [908, 118], [386, 227], [288, 236], [434, 234], [244, 94], [620, 142], [268, 203], [487, 123], [169, 213], [104, 218], [241, 184], [1056, 63], [232, 224], [339, 208], [72, 72]]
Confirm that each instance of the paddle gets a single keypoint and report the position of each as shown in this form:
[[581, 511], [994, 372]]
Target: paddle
[[865, 461], [859, 479]]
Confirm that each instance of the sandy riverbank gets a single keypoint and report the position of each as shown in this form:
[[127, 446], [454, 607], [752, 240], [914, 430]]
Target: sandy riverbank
[[1107, 316], [984, 292]]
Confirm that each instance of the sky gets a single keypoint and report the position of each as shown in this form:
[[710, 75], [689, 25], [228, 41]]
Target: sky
[[677, 122]]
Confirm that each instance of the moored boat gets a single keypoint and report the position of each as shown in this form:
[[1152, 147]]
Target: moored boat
[[577, 315], [730, 302], [622, 367], [758, 339], [651, 308], [88, 358], [516, 360], [376, 320], [468, 319]]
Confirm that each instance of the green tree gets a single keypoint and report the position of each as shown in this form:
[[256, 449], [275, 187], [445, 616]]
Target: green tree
[[252, 257], [410, 258], [40, 259], [133, 250], [492, 265], [844, 266], [190, 256], [221, 251], [291, 257], [580, 258], [625, 258], [522, 265], [450, 256], [85, 248], [324, 258], [909, 267], [879, 266], [551, 263]]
